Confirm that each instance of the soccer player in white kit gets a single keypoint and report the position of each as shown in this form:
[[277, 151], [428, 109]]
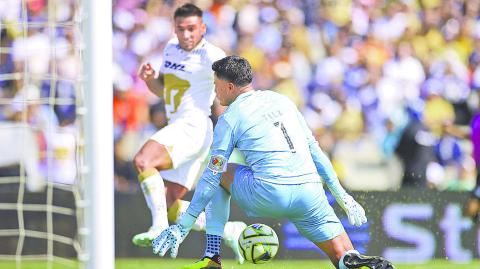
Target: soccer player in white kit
[[282, 177], [169, 162]]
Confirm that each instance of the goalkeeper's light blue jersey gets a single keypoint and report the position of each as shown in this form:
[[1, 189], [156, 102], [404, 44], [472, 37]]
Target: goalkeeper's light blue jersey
[[272, 135], [275, 140]]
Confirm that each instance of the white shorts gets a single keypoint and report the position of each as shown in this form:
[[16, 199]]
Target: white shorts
[[188, 141]]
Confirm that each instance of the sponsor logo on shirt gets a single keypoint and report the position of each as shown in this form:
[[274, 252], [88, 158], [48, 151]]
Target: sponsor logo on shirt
[[174, 66]]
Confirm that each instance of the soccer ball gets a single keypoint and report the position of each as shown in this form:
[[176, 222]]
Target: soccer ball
[[258, 243]]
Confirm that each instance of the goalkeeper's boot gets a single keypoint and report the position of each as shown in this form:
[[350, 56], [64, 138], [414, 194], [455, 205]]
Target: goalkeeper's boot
[[145, 239], [233, 229], [354, 260], [206, 263]]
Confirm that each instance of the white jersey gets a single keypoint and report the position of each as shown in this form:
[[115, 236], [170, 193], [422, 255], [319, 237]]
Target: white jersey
[[188, 79]]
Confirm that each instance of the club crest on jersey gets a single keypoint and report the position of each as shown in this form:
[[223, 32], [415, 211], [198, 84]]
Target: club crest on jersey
[[217, 164], [175, 66]]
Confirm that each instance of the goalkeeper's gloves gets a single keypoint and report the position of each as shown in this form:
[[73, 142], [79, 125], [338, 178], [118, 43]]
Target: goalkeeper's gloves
[[355, 212], [173, 236]]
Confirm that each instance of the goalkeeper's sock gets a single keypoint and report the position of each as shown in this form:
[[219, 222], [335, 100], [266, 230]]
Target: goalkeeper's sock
[[154, 191], [212, 247], [180, 206]]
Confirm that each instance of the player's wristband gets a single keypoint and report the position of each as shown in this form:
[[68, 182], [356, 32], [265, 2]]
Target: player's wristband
[[336, 189], [187, 220]]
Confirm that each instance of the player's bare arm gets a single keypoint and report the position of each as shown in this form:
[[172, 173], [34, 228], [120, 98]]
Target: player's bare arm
[[154, 83]]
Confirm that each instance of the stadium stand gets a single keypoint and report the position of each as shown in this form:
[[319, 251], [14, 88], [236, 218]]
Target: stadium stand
[[378, 81]]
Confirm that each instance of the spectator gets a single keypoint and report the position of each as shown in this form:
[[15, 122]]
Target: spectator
[[359, 62]]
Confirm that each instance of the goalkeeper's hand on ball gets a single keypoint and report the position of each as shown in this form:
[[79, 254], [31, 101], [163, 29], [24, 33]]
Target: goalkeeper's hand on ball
[[354, 211], [173, 236]]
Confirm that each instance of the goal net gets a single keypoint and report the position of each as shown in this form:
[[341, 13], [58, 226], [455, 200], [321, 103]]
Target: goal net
[[48, 194]]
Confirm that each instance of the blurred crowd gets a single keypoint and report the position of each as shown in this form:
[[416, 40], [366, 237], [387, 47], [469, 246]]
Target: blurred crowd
[[384, 85], [40, 75]]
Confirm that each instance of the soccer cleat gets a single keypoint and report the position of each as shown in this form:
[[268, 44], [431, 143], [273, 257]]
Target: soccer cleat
[[231, 239], [145, 239], [206, 263], [353, 260]]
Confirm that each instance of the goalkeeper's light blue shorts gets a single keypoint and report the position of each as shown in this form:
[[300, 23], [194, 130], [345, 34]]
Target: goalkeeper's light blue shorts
[[305, 205]]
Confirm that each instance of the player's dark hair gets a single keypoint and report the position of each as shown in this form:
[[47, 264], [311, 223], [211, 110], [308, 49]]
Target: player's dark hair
[[234, 69], [188, 10]]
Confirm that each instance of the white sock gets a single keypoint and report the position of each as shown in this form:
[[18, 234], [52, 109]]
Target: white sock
[[200, 223], [181, 206], [229, 230], [154, 191], [341, 265]]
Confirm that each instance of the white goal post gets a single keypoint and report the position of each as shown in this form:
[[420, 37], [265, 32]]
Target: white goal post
[[97, 31], [49, 214]]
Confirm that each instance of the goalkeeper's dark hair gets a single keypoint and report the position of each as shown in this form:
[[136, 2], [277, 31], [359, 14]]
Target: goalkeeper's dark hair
[[234, 69], [188, 10]]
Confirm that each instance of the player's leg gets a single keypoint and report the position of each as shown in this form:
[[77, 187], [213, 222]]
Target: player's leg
[[341, 253], [221, 206], [170, 154], [151, 158], [316, 220], [336, 247], [232, 229], [217, 213], [179, 181], [174, 192], [179, 206], [176, 210], [217, 227], [35, 181]]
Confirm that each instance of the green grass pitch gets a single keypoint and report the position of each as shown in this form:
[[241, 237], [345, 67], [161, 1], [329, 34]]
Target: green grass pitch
[[166, 263]]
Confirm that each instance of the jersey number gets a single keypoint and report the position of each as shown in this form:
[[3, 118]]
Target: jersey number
[[285, 134]]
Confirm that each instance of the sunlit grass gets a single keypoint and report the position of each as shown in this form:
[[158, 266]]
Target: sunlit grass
[[167, 263]]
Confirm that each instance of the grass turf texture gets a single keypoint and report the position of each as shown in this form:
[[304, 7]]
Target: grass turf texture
[[166, 263]]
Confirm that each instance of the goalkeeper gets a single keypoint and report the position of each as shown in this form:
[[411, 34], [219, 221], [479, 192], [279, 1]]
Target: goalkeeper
[[282, 178]]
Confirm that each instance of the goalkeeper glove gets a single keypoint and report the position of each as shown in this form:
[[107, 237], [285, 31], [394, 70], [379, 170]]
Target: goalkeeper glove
[[354, 211], [173, 236]]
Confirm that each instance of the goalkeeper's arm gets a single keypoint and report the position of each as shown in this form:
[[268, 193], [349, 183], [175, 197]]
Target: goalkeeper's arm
[[322, 163], [326, 171], [208, 183], [354, 211]]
